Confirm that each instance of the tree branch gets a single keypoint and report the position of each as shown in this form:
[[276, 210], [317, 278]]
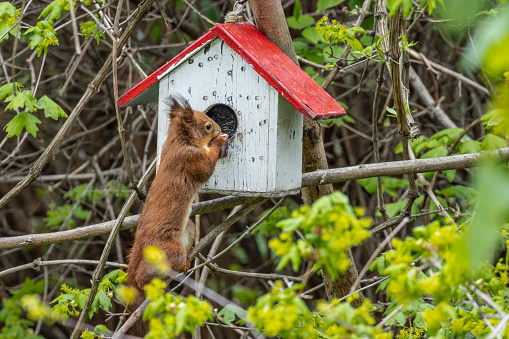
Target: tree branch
[[393, 168]]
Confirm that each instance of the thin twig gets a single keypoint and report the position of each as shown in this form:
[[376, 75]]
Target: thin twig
[[121, 130], [37, 263], [460, 77], [378, 250]]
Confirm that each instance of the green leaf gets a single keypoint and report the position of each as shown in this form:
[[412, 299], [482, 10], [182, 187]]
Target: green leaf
[[492, 142], [383, 285], [355, 44], [28, 287], [498, 120], [303, 21], [290, 225], [8, 89], [471, 146], [230, 311], [463, 192], [51, 109], [369, 184], [300, 47], [392, 112], [7, 9], [399, 318], [8, 18], [432, 4], [420, 321], [491, 213], [43, 35], [314, 55], [54, 10], [357, 30], [101, 329], [312, 35], [153, 308], [451, 135], [438, 152], [378, 263], [450, 175], [20, 121], [394, 208], [104, 301], [297, 8], [324, 4], [90, 28], [181, 319], [81, 213], [21, 99]]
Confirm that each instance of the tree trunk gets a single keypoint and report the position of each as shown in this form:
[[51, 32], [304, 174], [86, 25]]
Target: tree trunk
[[271, 21]]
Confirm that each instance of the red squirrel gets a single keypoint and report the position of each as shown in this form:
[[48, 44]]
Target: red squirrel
[[188, 158]]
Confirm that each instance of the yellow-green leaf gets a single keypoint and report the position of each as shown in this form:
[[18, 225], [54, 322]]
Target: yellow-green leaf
[[20, 121], [51, 109]]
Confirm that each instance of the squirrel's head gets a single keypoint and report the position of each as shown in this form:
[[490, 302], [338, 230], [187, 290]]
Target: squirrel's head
[[192, 126]]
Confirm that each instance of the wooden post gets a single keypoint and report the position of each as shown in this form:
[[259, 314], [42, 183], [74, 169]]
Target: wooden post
[[271, 21]]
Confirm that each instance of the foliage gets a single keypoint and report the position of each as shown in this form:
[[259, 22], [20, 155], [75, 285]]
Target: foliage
[[8, 18], [99, 332], [407, 7], [24, 99], [330, 227], [11, 314], [169, 315], [43, 36], [80, 198], [90, 28], [72, 300], [283, 313]]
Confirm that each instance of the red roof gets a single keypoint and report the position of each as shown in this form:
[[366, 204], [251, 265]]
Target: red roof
[[265, 58]]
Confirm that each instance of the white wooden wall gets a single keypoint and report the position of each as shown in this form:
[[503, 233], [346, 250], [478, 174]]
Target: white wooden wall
[[265, 156]]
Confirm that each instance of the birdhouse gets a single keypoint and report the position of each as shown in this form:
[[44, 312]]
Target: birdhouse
[[256, 94]]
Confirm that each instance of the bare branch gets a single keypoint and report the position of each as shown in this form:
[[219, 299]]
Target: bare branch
[[319, 177]]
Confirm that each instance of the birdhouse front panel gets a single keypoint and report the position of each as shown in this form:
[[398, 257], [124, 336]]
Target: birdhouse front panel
[[264, 154]]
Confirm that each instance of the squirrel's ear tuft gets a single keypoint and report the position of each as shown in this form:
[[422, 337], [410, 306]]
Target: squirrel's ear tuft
[[179, 107]]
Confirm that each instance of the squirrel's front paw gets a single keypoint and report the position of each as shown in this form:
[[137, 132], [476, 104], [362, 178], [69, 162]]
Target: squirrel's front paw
[[223, 138]]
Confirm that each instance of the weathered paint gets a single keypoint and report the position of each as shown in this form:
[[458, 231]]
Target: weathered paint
[[148, 89], [264, 158], [261, 55]]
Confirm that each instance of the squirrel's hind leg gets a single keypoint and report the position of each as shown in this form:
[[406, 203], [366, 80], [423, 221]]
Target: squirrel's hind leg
[[177, 257]]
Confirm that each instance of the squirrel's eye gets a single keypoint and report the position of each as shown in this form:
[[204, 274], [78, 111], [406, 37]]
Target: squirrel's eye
[[208, 126]]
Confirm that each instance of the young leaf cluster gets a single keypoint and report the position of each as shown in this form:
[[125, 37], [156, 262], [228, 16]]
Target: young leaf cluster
[[72, 300], [283, 313], [169, 315], [25, 299], [330, 227], [407, 6], [8, 18], [57, 214], [18, 99]]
